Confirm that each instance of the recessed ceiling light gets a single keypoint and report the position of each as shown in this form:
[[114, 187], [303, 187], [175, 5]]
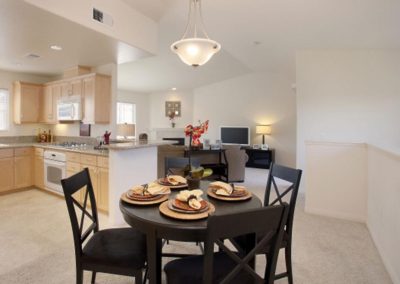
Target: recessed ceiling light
[[55, 47], [173, 89], [256, 42]]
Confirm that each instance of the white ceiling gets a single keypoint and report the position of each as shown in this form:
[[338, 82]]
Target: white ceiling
[[282, 27], [26, 29]]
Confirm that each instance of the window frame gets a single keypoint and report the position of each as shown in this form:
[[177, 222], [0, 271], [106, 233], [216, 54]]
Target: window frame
[[6, 110]]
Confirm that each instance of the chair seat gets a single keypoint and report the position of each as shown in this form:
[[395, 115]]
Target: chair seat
[[241, 241], [124, 249], [190, 270]]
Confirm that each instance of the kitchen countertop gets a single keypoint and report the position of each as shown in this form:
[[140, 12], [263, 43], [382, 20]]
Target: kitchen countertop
[[88, 150], [138, 144]]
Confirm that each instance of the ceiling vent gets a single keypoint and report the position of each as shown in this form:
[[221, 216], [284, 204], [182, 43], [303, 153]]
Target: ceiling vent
[[32, 56], [102, 17]]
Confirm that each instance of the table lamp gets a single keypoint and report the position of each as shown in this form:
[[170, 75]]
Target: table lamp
[[125, 130], [264, 130]]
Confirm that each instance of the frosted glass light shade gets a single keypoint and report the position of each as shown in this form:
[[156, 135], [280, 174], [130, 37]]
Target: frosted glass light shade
[[195, 51], [263, 129]]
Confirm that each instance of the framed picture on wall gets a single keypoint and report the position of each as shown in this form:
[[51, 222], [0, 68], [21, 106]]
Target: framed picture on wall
[[173, 107]]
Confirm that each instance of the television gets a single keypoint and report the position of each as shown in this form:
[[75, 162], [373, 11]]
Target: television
[[235, 135]]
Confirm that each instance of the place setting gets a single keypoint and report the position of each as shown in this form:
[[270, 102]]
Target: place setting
[[187, 205], [173, 181], [146, 194], [228, 192]]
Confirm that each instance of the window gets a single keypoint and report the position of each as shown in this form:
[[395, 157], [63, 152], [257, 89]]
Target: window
[[4, 109], [126, 113]]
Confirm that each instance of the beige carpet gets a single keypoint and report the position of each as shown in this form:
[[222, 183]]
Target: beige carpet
[[36, 244]]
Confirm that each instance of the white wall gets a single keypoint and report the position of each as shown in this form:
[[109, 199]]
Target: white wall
[[157, 108], [348, 96], [142, 108], [257, 98], [337, 180], [383, 206], [6, 80]]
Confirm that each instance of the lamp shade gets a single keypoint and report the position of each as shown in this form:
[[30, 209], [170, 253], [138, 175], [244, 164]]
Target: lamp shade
[[263, 129], [195, 51], [126, 129]]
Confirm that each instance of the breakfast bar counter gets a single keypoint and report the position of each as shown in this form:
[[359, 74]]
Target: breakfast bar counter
[[130, 164]]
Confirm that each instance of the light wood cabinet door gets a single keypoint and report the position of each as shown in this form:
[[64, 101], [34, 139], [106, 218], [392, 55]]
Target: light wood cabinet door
[[22, 171], [38, 170], [70, 172], [96, 94], [75, 87], [93, 172], [48, 104], [6, 174], [103, 189], [26, 102]]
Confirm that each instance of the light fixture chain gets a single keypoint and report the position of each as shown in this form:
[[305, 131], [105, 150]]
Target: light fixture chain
[[189, 20], [201, 21]]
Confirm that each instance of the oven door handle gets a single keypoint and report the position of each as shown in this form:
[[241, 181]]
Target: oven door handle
[[54, 163]]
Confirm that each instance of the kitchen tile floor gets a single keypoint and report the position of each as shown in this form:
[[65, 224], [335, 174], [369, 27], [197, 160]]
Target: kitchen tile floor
[[36, 244]]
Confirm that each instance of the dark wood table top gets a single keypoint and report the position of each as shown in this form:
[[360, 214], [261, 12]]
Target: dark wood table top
[[149, 218]]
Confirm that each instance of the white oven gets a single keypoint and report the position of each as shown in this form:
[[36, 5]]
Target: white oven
[[54, 170]]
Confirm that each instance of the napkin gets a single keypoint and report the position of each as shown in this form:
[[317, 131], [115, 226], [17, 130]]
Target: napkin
[[221, 188], [153, 188], [192, 197], [175, 180]]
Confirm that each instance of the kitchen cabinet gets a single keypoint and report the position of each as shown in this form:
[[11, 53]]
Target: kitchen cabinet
[[96, 95], [48, 103], [71, 87], [23, 167], [6, 170], [26, 98], [98, 171], [38, 168]]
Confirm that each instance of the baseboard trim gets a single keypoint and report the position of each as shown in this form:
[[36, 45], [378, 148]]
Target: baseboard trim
[[15, 190], [343, 216]]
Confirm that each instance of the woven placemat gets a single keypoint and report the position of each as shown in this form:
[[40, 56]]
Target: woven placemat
[[138, 202], [227, 198], [183, 216]]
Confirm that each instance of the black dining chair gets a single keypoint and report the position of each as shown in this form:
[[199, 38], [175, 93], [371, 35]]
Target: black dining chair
[[176, 165], [287, 191], [227, 266], [116, 251]]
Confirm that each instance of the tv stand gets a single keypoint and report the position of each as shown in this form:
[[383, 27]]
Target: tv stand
[[258, 158]]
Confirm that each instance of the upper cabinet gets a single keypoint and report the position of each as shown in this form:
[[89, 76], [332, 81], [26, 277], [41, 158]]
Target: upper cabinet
[[38, 103], [27, 97], [96, 97]]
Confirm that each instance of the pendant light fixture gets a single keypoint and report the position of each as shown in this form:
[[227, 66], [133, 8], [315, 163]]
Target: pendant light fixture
[[191, 49]]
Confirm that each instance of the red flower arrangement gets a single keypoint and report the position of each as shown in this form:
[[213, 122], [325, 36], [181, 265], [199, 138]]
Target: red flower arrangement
[[195, 132]]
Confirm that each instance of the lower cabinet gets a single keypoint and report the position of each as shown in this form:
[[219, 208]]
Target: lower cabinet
[[103, 188], [6, 174], [98, 176], [22, 171], [38, 167]]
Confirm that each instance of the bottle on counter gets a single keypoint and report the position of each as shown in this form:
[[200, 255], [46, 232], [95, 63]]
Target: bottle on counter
[[39, 134], [43, 137], [49, 137]]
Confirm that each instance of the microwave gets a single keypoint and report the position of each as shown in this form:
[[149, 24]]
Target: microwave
[[69, 109]]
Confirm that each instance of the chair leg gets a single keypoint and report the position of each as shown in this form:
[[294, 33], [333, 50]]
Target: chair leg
[[145, 275], [288, 260], [93, 277], [79, 276], [138, 277]]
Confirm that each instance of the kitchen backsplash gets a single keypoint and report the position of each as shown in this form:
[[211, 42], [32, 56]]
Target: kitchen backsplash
[[56, 139]]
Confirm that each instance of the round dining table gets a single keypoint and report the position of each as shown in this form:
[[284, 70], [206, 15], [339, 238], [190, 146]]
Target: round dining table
[[149, 220]]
